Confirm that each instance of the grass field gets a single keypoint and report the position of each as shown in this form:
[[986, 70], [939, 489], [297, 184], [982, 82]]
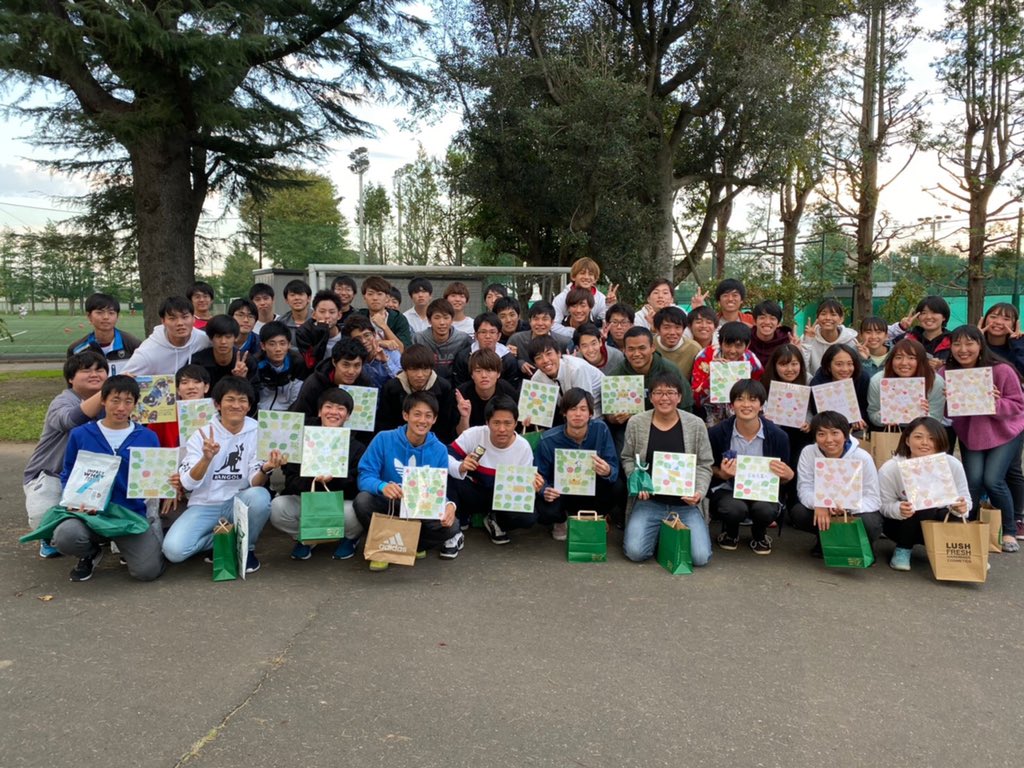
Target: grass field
[[24, 398], [39, 334]]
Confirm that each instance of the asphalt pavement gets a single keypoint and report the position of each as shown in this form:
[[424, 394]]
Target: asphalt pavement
[[507, 656]]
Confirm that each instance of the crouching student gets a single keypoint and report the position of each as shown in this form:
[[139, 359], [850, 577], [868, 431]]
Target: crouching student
[[381, 470], [221, 465], [286, 509], [114, 434], [746, 434], [580, 432], [832, 440], [472, 474], [666, 428], [923, 436]]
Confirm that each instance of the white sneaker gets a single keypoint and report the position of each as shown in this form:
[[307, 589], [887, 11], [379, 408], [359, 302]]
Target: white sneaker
[[560, 531]]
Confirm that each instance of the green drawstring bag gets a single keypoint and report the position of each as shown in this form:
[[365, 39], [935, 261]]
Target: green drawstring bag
[[640, 479], [113, 522]]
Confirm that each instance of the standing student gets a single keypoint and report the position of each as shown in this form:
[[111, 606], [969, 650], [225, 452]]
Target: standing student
[[487, 335], [391, 325], [578, 302], [248, 341], [907, 360], [617, 320], [457, 296], [201, 296], [316, 337], [702, 323], [787, 365], [262, 296], [345, 366], [768, 332], [828, 329], [592, 347], [472, 397], [297, 294], [171, 344], [103, 312], [734, 342], [344, 287], [872, 344], [421, 291], [840, 362], [729, 296], [380, 365], [671, 341], [584, 274], [1001, 328], [566, 371], [418, 375], [442, 338], [492, 293], [927, 325], [222, 358], [660, 294], [280, 370], [510, 314], [541, 317], [641, 359]]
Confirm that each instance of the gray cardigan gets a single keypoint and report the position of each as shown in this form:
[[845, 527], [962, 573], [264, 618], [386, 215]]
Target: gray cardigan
[[695, 440]]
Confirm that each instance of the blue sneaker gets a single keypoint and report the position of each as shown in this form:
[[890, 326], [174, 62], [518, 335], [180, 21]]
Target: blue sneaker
[[345, 550], [900, 559], [252, 563], [302, 551], [47, 550]]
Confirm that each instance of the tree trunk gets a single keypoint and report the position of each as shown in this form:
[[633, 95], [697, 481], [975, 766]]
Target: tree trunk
[[167, 209], [978, 220], [722, 234], [664, 203]]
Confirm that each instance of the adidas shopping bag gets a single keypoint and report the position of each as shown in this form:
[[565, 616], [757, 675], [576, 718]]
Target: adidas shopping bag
[[392, 540]]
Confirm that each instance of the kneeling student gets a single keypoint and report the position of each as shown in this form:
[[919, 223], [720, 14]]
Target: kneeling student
[[114, 434], [221, 465]]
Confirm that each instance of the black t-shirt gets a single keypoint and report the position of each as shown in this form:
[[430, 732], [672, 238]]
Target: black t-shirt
[[476, 415], [667, 441]]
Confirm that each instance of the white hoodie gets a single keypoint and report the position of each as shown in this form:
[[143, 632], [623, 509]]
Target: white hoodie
[[231, 470], [156, 355], [892, 492], [868, 476], [814, 348]]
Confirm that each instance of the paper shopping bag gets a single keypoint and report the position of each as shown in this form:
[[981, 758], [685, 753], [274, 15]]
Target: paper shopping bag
[[957, 551], [674, 553], [322, 516], [994, 518], [91, 481], [845, 544], [392, 539], [881, 446], [225, 554], [587, 540]]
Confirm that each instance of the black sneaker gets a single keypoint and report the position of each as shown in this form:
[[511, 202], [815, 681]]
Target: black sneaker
[[727, 542], [252, 563], [816, 550], [495, 531], [761, 546], [86, 566], [451, 548]]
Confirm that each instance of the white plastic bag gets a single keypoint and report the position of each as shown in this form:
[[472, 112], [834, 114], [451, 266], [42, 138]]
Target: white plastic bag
[[91, 481]]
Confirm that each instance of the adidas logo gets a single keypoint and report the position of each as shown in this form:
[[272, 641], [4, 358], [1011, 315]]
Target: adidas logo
[[393, 544]]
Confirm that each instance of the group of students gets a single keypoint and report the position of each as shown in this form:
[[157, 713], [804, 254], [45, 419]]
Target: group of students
[[447, 392]]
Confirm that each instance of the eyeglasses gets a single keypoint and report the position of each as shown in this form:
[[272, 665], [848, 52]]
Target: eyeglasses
[[665, 393], [620, 321]]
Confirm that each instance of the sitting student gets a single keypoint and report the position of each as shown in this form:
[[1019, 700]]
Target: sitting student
[[418, 375], [671, 341], [222, 359], [702, 326], [734, 339], [832, 440], [486, 333], [509, 311], [316, 337], [391, 325], [827, 330], [457, 296], [541, 316], [584, 274], [581, 430], [492, 293], [617, 320], [769, 333], [381, 472], [579, 302], [280, 370], [746, 434], [931, 317], [838, 363], [345, 367], [660, 294], [872, 344], [248, 342], [787, 365], [471, 481], [666, 428], [381, 365], [485, 383], [442, 339], [297, 294], [115, 434], [641, 359], [84, 373], [171, 344], [286, 508], [220, 465], [907, 360], [568, 372], [201, 296], [103, 312], [344, 287], [590, 346], [421, 291], [924, 436], [262, 297]]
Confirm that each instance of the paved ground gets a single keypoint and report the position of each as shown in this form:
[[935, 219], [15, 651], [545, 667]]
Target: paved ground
[[506, 657]]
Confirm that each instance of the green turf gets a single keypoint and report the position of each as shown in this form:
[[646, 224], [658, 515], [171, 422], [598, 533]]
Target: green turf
[[47, 334]]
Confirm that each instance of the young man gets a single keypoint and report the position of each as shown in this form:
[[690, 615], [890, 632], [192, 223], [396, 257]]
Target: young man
[[660, 294], [345, 366], [733, 339], [472, 397], [316, 337], [457, 295], [171, 345], [617, 320], [262, 296], [248, 341], [116, 345], [222, 359], [746, 434], [591, 346], [471, 476], [671, 341], [286, 508], [509, 313], [280, 370], [391, 324], [394, 299], [582, 430], [220, 465], [641, 359], [584, 274], [201, 296], [541, 317], [568, 372], [421, 291], [487, 334], [418, 375], [768, 333], [297, 294], [115, 434], [702, 326], [729, 295], [492, 293], [579, 302], [443, 340], [344, 287], [84, 373], [666, 428], [381, 365], [382, 468]]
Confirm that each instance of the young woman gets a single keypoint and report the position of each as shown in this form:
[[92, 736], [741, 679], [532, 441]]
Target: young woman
[[924, 436], [787, 365], [927, 324], [989, 444], [1001, 326], [907, 360], [840, 362], [872, 344], [828, 329]]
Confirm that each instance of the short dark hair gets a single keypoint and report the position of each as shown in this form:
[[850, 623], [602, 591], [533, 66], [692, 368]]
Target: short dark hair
[[175, 304], [230, 384], [102, 301], [587, 329], [191, 371], [325, 295], [672, 315], [261, 289], [501, 403], [579, 296], [420, 397], [122, 384], [730, 284], [507, 302], [666, 379], [357, 323], [703, 311], [418, 284], [541, 308], [200, 287], [222, 325], [541, 344], [273, 329], [638, 330], [659, 281], [830, 420], [834, 304], [498, 288], [83, 361], [238, 304], [873, 323], [490, 318], [767, 307], [734, 332], [347, 348], [440, 307], [935, 304], [484, 359], [620, 309], [935, 429], [297, 286], [750, 388], [456, 287], [338, 396], [573, 397], [417, 357], [343, 280], [395, 294], [375, 283]]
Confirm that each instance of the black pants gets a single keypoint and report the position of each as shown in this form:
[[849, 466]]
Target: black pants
[[603, 502], [732, 512], [802, 518], [907, 532], [473, 497], [432, 533]]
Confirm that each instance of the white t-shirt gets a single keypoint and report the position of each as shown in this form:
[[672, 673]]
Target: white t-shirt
[[115, 436], [518, 453]]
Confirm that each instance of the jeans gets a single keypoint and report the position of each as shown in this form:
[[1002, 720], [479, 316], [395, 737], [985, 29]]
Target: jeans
[[986, 473], [193, 531], [140, 551], [286, 512], [432, 534], [641, 536]]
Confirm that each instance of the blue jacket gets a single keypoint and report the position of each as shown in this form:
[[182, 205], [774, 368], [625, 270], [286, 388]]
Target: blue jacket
[[390, 452], [88, 437], [776, 442], [598, 438]]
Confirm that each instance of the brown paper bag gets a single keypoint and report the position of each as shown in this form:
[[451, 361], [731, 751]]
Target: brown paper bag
[[881, 446], [994, 518], [957, 551], [392, 540]]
